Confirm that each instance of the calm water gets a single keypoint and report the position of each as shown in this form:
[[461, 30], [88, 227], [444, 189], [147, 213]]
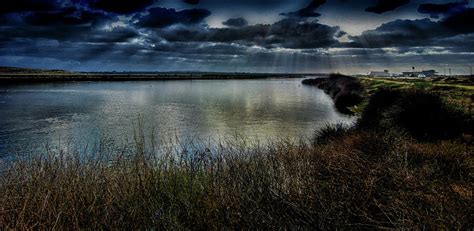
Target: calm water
[[82, 113]]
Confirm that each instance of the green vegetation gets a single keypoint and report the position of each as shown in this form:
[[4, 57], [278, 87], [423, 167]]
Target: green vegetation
[[387, 172], [424, 116], [456, 92]]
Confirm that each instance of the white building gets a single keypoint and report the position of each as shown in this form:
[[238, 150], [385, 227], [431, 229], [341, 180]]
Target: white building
[[384, 73]]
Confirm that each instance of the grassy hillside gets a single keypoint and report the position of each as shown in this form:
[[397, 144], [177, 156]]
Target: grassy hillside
[[457, 92]]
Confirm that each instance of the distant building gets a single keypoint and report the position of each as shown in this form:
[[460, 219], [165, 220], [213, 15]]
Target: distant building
[[421, 74], [384, 73], [429, 73]]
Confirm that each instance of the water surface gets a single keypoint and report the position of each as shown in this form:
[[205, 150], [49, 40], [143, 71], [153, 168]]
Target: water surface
[[82, 113]]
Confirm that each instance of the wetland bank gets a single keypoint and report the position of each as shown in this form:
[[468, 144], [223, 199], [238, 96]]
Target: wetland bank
[[387, 171]]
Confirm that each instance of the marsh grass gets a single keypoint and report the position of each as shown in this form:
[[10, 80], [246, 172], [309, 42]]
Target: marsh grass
[[359, 180]]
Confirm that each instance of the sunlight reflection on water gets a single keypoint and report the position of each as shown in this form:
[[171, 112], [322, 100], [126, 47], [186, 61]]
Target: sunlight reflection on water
[[82, 113]]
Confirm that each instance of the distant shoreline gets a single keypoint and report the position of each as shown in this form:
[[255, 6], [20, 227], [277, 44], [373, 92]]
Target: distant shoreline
[[28, 77]]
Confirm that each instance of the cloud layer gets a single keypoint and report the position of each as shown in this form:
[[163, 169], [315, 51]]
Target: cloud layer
[[145, 35], [383, 6]]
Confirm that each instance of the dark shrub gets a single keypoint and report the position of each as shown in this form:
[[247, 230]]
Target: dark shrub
[[345, 90], [313, 82], [424, 116], [378, 104], [343, 101], [329, 133]]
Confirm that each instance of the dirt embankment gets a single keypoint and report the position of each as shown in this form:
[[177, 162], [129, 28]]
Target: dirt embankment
[[345, 90]]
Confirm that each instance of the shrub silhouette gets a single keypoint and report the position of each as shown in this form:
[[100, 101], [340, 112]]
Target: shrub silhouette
[[345, 90], [424, 116], [329, 133]]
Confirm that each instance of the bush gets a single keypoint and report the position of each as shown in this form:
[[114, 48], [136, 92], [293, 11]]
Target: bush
[[424, 116], [345, 90], [329, 132]]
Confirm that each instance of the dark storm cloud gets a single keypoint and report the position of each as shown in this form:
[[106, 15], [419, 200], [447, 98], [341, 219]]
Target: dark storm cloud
[[402, 33], [383, 6], [161, 17], [286, 33], [421, 32], [235, 22], [116, 35], [65, 23], [66, 50], [144, 34], [124, 52], [192, 2], [65, 16], [308, 11], [248, 4], [291, 33], [462, 22], [434, 10], [459, 43], [8, 6], [79, 33], [200, 48], [120, 6]]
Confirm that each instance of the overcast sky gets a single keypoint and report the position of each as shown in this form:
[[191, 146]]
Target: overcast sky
[[345, 36]]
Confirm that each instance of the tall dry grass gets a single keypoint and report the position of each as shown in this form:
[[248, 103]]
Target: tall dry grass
[[360, 180]]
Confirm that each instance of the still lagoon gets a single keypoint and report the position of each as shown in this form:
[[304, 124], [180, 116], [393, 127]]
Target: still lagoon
[[80, 114]]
